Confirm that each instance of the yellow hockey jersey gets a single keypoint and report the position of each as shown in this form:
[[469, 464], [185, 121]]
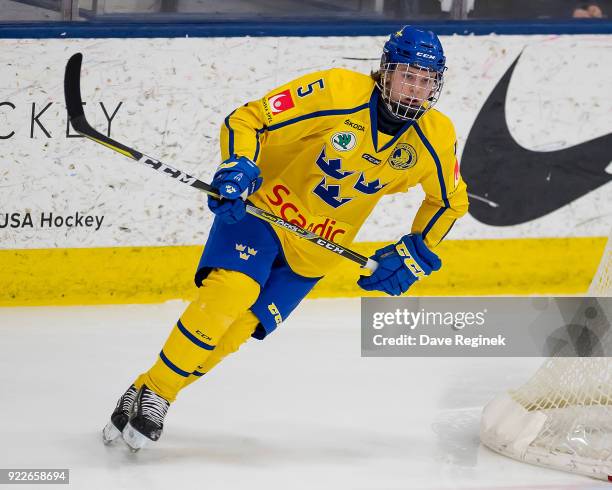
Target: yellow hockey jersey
[[325, 165]]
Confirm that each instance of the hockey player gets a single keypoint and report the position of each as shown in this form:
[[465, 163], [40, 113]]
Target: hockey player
[[320, 152]]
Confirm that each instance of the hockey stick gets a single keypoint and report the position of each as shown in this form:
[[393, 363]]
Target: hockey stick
[[76, 115]]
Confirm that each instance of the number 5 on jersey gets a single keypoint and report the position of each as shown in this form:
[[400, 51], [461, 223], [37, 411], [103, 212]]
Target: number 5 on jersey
[[303, 92]]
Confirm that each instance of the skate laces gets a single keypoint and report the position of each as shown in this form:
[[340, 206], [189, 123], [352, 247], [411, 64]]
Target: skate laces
[[153, 406], [127, 400]]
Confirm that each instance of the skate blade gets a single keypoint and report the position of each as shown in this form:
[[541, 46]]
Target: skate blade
[[134, 439], [110, 433]]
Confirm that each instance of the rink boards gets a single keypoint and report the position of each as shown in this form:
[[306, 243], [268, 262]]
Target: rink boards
[[80, 224], [154, 274]]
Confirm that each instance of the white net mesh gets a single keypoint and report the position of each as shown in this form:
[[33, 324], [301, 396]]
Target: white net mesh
[[602, 282], [562, 417]]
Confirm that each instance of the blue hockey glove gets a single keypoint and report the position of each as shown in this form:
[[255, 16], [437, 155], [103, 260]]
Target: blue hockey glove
[[230, 211], [234, 177], [400, 265]]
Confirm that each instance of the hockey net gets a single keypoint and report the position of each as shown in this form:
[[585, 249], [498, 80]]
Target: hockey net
[[562, 417]]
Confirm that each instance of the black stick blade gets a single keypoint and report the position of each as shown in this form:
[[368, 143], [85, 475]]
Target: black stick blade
[[76, 114], [72, 87]]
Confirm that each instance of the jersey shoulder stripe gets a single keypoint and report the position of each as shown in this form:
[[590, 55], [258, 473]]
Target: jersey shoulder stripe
[[433, 221], [330, 112], [231, 134], [436, 159]]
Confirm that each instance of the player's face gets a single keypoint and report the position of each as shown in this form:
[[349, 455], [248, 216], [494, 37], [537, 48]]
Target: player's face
[[411, 86]]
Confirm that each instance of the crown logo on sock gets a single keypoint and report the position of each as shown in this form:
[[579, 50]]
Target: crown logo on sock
[[245, 252]]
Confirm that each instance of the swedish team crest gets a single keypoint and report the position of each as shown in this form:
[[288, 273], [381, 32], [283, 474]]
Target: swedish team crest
[[404, 156], [344, 141]]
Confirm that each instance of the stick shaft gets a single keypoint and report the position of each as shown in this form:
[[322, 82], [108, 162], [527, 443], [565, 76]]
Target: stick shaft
[[76, 115]]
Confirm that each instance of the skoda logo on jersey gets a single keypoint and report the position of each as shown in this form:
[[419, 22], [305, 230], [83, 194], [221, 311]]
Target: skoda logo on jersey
[[354, 125], [344, 141], [404, 156]]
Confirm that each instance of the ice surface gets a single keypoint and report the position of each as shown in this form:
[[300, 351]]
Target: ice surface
[[301, 410]]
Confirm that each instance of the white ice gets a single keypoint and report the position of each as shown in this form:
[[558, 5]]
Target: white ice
[[301, 410]]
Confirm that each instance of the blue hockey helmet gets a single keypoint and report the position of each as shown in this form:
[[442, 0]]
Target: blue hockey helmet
[[413, 46], [418, 58]]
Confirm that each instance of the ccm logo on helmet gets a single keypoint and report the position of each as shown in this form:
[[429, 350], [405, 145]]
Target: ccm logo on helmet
[[426, 55]]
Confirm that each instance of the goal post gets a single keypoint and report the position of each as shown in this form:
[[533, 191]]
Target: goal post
[[562, 417]]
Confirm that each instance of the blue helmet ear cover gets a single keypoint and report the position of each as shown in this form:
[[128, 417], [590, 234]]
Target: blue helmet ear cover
[[414, 47]]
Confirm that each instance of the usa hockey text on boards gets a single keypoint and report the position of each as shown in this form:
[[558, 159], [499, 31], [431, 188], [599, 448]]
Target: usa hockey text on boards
[[50, 220]]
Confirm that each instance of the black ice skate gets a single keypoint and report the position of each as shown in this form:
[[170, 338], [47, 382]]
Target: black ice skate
[[146, 421], [120, 416]]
